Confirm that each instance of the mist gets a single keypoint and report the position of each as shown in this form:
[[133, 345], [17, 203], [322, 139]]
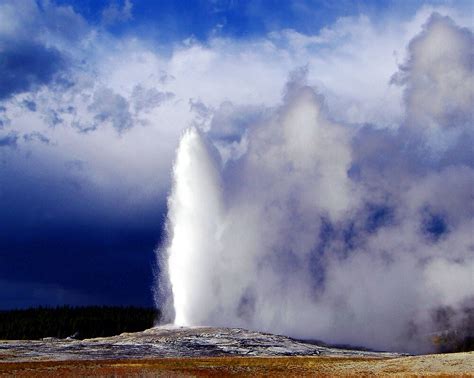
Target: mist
[[298, 224]]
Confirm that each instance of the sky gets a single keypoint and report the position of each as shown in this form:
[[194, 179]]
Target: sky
[[95, 95]]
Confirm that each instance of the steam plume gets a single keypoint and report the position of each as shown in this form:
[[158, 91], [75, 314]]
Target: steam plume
[[302, 226]]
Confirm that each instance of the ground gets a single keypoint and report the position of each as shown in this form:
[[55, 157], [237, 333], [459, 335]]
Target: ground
[[204, 351], [456, 364]]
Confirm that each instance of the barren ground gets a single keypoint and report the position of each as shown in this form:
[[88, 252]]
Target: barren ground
[[458, 364], [203, 351]]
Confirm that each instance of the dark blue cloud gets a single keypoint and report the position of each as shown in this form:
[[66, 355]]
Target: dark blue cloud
[[434, 225], [36, 136], [25, 66], [30, 105], [52, 236], [9, 140], [77, 244], [4, 120], [378, 216], [34, 44], [21, 294], [97, 264]]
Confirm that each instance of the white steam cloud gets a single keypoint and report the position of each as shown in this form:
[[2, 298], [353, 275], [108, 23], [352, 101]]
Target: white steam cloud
[[300, 225]]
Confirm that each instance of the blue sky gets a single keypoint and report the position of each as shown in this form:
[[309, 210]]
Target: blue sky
[[173, 20], [170, 21], [94, 96]]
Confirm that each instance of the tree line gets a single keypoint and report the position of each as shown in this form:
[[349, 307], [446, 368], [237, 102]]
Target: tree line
[[76, 322]]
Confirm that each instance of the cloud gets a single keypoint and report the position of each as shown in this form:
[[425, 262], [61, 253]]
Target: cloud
[[36, 136], [15, 294], [9, 140], [439, 81], [35, 42], [3, 119], [110, 107], [26, 66], [147, 99], [41, 22], [30, 105], [115, 13]]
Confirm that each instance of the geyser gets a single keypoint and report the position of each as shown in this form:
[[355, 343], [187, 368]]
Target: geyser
[[298, 225]]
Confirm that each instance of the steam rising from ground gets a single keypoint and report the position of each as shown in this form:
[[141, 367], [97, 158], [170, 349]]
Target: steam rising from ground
[[298, 225]]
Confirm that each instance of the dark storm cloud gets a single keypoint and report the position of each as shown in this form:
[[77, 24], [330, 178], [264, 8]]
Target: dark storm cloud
[[25, 66], [63, 243], [77, 264], [20, 294]]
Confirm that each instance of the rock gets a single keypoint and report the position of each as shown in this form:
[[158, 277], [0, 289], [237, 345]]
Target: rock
[[171, 341]]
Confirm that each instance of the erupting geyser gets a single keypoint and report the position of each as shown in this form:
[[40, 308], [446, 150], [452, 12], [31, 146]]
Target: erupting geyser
[[302, 226], [195, 215]]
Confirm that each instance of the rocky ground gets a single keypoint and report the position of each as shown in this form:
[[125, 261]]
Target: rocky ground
[[170, 341], [198, 351]]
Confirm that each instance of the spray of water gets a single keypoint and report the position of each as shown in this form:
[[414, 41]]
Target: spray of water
[[317, 230]]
